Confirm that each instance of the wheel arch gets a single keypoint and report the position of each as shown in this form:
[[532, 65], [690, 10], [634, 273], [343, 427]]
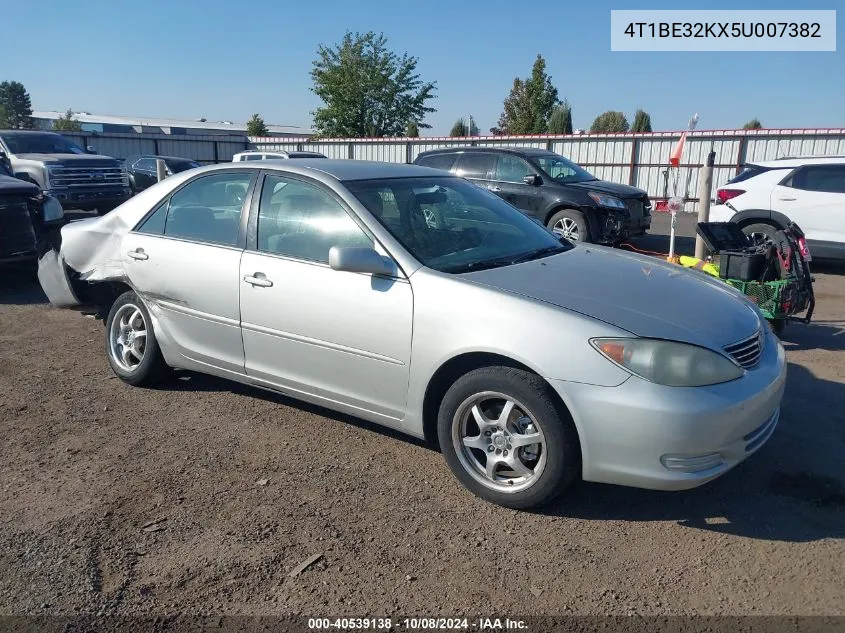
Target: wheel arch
[[761, 216], [457, 366]]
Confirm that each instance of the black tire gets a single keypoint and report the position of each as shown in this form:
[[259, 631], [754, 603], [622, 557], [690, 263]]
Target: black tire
[[770, 232], [151, 369], [562, 461], [577, 219]]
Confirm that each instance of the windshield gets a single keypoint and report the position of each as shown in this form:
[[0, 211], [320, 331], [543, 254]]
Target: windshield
[[29, 143], [453, 226], [561, 170]]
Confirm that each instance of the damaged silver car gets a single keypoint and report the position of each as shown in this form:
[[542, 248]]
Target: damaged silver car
[[416, 300]]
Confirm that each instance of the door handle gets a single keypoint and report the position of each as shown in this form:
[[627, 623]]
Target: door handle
[[494, 189], [258, 279], [787, 198], [138, 254]]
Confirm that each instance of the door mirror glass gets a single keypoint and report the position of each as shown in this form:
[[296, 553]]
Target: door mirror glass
[[532, 179], [358, 259]]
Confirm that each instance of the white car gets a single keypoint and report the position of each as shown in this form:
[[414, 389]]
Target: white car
[[261, 155], [766, 196]]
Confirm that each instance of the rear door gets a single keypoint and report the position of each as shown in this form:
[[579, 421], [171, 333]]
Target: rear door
[[508, 183], [814, 198], [184, 259]]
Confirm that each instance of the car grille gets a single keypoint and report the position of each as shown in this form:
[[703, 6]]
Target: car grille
[[748, 351], [68, 177], [639, 208], [16, 233]]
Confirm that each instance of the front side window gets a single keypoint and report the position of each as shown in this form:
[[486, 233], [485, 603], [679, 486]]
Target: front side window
[[301, 220], [453, 226], [560, 169], [145, 164], [823, 178], [511, 168], [207, 209]]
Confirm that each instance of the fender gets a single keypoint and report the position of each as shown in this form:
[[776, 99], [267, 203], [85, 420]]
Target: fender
[[767, 216], [31, 174]]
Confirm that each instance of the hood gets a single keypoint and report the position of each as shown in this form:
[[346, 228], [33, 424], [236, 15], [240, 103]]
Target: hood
[[645, 296], [9, 185], [72, 160], [612, 188]]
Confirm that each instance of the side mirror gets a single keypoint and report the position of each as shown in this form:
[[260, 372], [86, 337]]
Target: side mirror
[[91, 149], [532, 179], [355, 259]]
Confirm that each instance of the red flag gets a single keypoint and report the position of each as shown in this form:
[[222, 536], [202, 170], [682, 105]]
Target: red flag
[[675, 156]]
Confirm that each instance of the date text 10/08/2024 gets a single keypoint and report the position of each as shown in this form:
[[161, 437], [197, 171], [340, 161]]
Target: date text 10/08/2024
[[417, 624]]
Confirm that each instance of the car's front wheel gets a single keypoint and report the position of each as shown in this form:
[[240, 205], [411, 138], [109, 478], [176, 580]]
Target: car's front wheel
[[570, 224], [506, 439], [131, 345]]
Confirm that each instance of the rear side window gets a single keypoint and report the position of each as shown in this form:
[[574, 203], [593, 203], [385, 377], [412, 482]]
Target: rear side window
[[437, 161], [825, 178], [475, 165]]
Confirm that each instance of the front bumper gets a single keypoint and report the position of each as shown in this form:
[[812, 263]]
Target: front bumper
[[673, 438], [91, 198]]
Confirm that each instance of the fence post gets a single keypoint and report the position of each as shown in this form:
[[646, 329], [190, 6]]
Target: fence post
[[549, 144], [216, 153], [408, 152], [634, 144], [350, 150], [705, 187], [155, 146], [741, 151]]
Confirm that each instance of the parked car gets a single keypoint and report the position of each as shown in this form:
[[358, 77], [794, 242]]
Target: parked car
[[411, 298], [77, 179], [27, 218], [764, 197], [143, 172], [557, 192], [262, 155]]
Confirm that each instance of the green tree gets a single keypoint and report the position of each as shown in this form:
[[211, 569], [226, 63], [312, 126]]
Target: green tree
[[256, 126], [15, 106], [367, 89], [561, 120], [66, 123], [412, 130], [610, 121], [529, 105], [460, 128], [753, 124], [642, 121]]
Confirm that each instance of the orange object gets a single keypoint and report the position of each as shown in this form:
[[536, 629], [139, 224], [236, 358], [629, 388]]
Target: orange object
[[615, 351], [675, 155]]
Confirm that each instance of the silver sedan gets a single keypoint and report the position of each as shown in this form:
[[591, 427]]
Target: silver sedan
[[416, 300]]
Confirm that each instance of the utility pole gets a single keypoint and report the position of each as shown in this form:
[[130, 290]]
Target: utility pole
[[705, 188]]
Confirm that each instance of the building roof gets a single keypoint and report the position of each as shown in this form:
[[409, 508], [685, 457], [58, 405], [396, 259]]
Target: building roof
[[198, 124]]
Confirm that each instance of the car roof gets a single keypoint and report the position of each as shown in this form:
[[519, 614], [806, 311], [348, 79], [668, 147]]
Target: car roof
[[178, 158], [525, 151], [339, 169], [797, 161]]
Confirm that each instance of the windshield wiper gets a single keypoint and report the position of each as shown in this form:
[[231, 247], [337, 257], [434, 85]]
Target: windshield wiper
[[539, 253], [480, 265]]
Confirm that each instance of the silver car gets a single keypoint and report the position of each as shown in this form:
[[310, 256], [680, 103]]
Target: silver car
[[414, 299]]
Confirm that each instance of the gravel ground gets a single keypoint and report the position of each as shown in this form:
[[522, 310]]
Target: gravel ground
[[201, 496]]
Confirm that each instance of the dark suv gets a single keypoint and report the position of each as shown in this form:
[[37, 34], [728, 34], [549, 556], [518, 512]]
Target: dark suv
[[142, 170], [552, 189]]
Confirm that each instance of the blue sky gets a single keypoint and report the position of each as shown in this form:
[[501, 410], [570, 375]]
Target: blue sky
[[221, 59]]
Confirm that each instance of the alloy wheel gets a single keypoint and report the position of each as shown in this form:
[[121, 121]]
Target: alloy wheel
[[128, 337], [568, 228]]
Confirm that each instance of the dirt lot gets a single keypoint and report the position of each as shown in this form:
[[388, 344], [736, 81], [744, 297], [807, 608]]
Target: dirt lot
[[86, 462]]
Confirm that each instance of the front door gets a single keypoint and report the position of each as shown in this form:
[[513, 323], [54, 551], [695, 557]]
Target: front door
[[184, 262], [343, 338], [508, 181], [814, 198]]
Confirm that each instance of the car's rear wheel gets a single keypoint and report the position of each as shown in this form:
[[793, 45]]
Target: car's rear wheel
[[131, 345], [506, 439], [761, 233], [570, 224]]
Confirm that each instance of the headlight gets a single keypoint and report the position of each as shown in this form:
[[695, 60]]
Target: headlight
[[606, 201], [52, 210], [667, 362]]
